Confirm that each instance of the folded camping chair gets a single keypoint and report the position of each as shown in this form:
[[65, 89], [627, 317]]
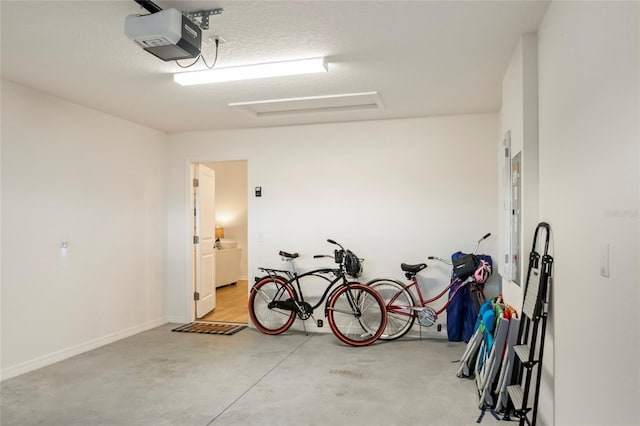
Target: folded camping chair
[[487, 373], [505, 328], [508, 362], [488, 364], [473, 346], [490, 320]]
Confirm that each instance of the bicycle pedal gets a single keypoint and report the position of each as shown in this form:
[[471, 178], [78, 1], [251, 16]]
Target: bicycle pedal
[[320, 323], [439, 328]]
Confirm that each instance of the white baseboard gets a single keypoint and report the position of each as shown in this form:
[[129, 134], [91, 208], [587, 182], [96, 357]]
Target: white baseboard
[[43, 361]]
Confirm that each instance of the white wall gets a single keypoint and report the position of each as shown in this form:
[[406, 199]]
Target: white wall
[[519, 116], [70, 173], [393, 191], [231, 204], [589, 93]]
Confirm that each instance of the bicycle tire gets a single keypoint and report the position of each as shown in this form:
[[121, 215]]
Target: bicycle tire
[[271, 320], [356, 314], [397, 298]]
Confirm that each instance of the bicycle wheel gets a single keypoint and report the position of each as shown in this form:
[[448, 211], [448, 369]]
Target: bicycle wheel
[[356, 314], [398, 300], [267, 319]]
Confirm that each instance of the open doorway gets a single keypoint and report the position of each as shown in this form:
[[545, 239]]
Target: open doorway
[[230, 266]]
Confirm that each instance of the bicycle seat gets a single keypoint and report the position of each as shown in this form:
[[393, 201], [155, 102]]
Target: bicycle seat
[[413, 269], [288, 255]]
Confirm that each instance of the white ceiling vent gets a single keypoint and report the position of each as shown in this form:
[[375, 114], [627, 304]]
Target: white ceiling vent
[[311, 104]]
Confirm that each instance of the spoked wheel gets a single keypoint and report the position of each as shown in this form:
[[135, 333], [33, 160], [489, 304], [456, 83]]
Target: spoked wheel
[[398, 300], [356, 314], [270, 320]]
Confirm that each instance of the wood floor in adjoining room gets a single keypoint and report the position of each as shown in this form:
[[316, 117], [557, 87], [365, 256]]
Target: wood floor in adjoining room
[[231, 304]]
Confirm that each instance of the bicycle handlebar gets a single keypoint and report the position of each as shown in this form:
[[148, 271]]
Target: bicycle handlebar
[[330, 241], [439, 259], [487, 235]]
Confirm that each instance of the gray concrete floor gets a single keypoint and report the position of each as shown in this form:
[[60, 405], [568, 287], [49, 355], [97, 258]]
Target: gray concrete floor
[[164, 378]]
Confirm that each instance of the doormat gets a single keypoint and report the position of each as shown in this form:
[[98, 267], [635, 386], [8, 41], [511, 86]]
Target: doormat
[[210, 328]]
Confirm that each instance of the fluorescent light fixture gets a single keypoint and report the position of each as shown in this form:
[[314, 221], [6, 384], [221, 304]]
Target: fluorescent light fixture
[[248, 72], [311, 104]]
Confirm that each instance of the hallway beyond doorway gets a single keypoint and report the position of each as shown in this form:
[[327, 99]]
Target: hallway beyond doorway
[[231, 301]]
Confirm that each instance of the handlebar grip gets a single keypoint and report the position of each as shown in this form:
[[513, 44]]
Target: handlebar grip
[[331, 241], [431, 257], [486, 236], [318, 256]]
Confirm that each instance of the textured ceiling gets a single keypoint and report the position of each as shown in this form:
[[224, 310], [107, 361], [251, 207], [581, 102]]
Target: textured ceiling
[[424, 58]]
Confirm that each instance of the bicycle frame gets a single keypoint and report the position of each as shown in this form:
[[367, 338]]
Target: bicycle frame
[[295, 278], [298, 303], [404, 306], [423, 302], [414, 310]]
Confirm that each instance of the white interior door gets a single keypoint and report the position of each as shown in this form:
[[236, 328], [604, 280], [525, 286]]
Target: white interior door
[[205, 232]]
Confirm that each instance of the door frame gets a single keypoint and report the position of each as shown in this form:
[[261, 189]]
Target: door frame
[[190, 306]]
